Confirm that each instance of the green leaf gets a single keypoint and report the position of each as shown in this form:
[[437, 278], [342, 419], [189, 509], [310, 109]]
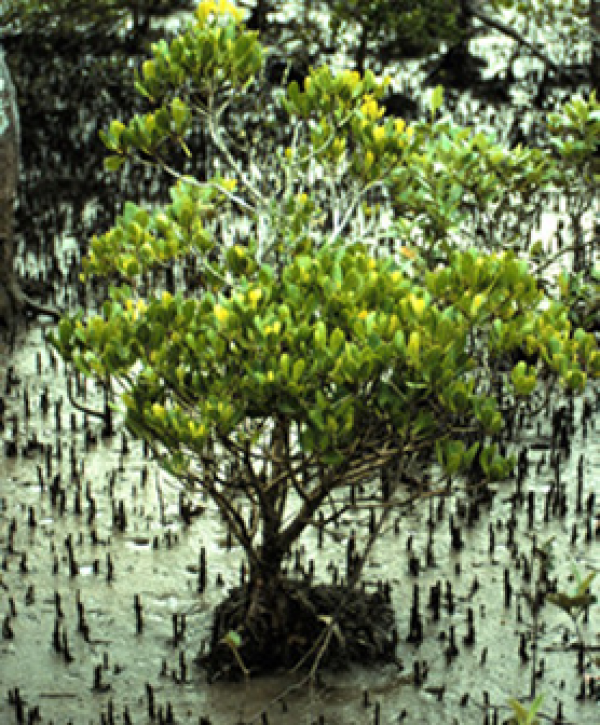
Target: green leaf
[[524, 716], [520, 711], [334, 458], [336, 274], [470, 455], [149, 69], [65, 329], [294, 95], [114, 163], [454, 456], [130, 211], [316, 418], [437, 98], [414, 343], [400, 342], [336, 341], [142, 90], [320, 335], [584, 584], [180, 113], [321, 401], [131, 267], [307, 439], [232, 639], [298, 369]]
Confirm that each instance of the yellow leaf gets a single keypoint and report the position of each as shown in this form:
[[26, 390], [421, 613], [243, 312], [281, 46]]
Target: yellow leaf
[[351, 78], [338, 146], [478, 300], [204, 10], [417, 304], [399, 125], [371, 110], [229, 184], [254, 296], [378, 134], [408, 253], [221, 313], [393, 325]]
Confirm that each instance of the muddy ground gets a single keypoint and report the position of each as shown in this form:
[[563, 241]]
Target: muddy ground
[[104, 608]]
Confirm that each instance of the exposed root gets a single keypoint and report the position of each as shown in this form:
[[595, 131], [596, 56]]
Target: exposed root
[[288, 630], [41, 310], [15, 303]]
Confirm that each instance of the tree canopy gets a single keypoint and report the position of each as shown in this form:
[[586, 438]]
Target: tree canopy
[[320, 344]]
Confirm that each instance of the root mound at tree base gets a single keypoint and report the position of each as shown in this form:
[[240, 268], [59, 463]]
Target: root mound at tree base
[[280, 636]]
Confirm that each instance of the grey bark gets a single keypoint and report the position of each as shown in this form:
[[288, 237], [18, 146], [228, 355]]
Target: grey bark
[[12, 298], [595, 28], [9, 179]]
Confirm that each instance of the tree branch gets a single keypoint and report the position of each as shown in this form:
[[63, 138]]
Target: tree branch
[[501, 27]]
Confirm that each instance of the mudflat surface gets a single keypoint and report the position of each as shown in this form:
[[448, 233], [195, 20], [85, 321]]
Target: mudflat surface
[[73, 569]]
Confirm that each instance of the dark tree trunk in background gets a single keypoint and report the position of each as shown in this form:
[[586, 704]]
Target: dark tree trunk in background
[[595, 26], [258, 16], [10, 293], [13, 300]]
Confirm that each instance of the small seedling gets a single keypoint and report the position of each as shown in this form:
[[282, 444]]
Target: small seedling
[[577, 602], [233, 640], [580, 599], [522, 715]]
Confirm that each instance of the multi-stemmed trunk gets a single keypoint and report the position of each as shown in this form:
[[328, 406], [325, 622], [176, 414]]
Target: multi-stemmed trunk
[[271, 613]]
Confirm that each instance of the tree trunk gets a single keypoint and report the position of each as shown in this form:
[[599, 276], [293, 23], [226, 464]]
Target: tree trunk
[[266, 571], [595, 27], [13, 301], [10, 293], [258, 17]]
